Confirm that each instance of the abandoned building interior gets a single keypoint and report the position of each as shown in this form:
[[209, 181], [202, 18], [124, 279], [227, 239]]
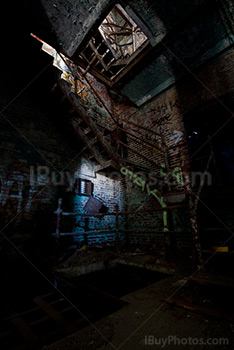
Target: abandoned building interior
[[117, 174]]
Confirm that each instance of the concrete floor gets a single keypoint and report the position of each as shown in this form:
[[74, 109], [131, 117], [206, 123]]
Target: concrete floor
[[145, 318]]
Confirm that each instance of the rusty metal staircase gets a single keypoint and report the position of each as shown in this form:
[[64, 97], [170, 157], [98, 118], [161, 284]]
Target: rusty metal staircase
[[99, 130], [95, 137]]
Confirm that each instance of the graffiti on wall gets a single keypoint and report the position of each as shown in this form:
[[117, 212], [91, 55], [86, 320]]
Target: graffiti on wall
[[18, 194], [145, 187], [175, 173], [163, 122], [176, 136], [76, 85], [62, 63]]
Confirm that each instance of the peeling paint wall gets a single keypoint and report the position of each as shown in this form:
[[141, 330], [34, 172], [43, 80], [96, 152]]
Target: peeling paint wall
[[70, 21]]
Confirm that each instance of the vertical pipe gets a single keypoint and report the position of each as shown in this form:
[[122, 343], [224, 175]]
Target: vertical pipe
[[166, 163], [59, 215], [197, 258], [58, 228], [117, 228]]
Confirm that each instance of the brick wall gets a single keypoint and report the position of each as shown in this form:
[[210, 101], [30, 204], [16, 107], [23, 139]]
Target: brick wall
[[30, 139], [33, 150], [164, 115], [110, 191]]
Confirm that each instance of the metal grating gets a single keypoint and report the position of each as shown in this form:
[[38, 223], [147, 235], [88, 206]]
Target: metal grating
[[113, 46]]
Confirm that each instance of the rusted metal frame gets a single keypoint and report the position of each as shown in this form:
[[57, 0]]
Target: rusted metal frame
[[137, 165], [90, 64], [99, 57], [101, 139], [86, 141], [121, 61], [134, 39], [152, 231], [138, 153], [127, 19], [202, 182], [105, 53], [59, 214], [142, 135], [192, 213], [141, 127], [127, 32], [139, 24], [179, 206], [99, 167], [122, 45], [120, 70], [111, 62], [98, 135], [166, 163], [90, 86], [117, 228], [87, 232], [67, 325], [101, 126], [135, 58], [98, 215], [88, 215], [144, 141], [107, 42], [117, 214], [146, 48], [99, 98], [84, 57], [177, 145], [112, 25]]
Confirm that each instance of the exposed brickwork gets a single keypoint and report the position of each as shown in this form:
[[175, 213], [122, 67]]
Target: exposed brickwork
[[164, 115], [30, 139], [111, 193]]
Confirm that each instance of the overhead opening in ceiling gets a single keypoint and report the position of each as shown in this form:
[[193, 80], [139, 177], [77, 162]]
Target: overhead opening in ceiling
[[116, 43]]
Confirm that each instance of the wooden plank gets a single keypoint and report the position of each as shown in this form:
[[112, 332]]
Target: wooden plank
[[26, 333], [40, 320], [56, 316], [213, 280], [99, 57], [199, 309], [93, 205], [5, 334]]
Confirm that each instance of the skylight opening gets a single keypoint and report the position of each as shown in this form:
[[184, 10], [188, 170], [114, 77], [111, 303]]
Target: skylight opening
[[118, 40], [121, 33]]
